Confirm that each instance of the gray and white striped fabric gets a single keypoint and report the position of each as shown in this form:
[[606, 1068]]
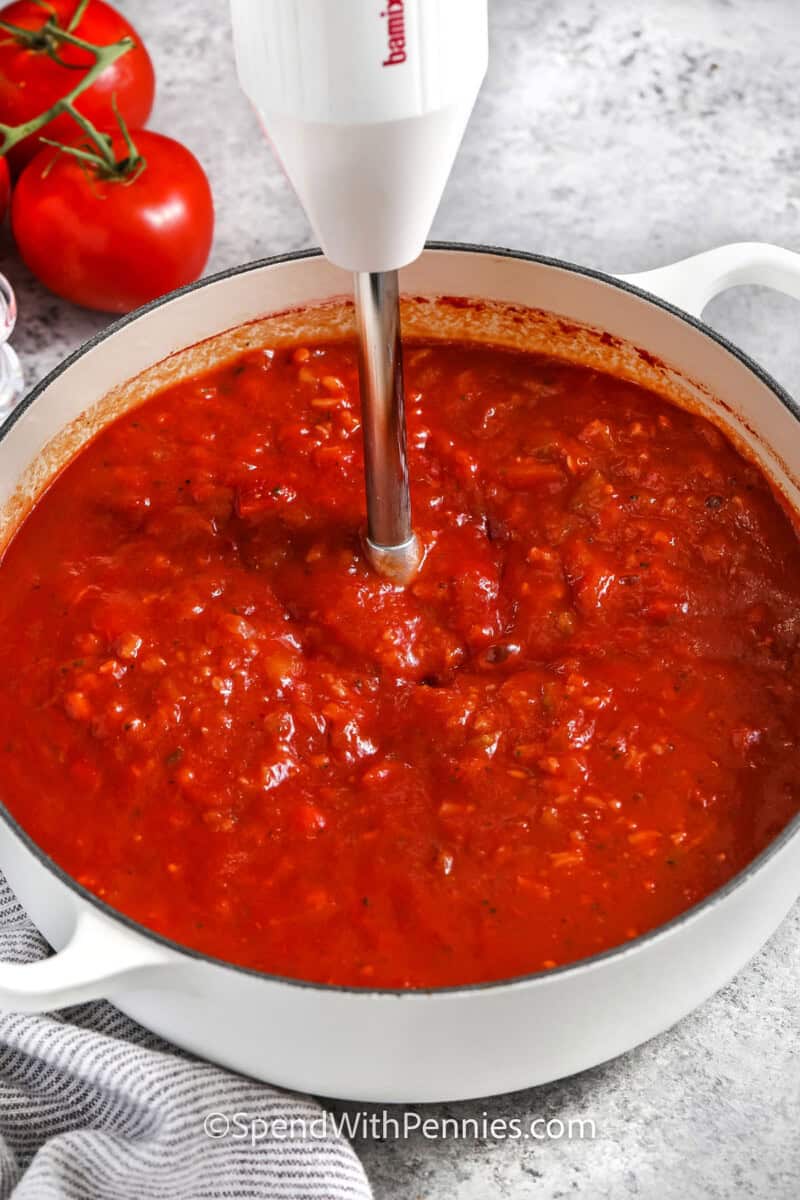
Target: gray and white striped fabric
[[92, 1107]]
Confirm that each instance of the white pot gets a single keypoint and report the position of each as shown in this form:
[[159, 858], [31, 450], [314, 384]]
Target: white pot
[[451, 1043]]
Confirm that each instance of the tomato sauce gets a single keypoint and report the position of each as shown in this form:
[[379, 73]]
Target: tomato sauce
[[581, 718]]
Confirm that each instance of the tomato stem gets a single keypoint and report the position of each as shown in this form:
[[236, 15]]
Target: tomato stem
[[102, 158], [101, 140], [132, 167], [48, 38], [74, 151], [77, 16]]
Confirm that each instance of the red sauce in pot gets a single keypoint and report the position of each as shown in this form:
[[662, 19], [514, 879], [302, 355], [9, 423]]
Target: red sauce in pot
[[581, 719]]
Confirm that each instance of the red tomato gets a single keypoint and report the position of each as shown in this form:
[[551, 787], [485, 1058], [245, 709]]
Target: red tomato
[[113, 244], [31, 81], [5, 188]]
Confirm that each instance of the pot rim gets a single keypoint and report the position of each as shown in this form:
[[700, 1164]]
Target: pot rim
[[579, 966]]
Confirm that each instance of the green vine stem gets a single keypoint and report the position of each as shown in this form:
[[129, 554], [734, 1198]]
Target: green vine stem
[[103, 57], [102, 158], [77, 16]]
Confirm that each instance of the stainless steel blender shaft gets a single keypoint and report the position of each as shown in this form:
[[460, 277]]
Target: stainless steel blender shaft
[[391, 546]]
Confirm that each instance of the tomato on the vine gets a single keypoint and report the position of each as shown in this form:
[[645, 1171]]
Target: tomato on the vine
[[33, 75], [112, 238], [5, 188]]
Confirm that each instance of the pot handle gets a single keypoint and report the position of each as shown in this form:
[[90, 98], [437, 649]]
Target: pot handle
[[96, 961], [692, 282]]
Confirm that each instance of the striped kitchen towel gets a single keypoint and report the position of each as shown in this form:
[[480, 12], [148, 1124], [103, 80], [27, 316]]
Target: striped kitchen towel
[[93, 1107]]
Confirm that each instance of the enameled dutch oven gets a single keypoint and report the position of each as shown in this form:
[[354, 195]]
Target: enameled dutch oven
[[450, 1043]]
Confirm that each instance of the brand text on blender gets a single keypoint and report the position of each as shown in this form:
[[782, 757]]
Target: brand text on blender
[[394, 14]]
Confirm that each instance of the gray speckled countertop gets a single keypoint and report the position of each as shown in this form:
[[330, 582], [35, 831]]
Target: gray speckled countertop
[[621, 136]]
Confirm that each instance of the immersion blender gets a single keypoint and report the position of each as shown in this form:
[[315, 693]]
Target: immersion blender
[[366, 102]]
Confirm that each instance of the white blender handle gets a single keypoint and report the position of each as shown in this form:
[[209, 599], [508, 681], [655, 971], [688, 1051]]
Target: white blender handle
[[365, 105], [691, 283]]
